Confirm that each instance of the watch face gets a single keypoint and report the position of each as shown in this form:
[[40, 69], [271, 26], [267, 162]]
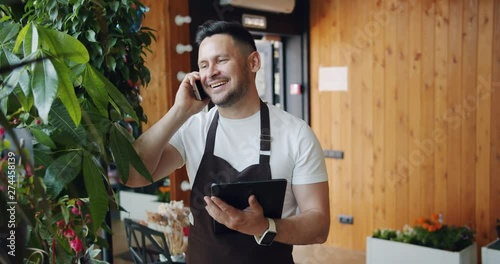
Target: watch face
[[268, 238]]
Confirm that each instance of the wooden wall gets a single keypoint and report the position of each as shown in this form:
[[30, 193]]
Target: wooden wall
[[420, 124], [164, 63]]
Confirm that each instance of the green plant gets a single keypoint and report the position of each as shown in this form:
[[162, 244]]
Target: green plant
[[163, 194], [69, 74], [430, 232]]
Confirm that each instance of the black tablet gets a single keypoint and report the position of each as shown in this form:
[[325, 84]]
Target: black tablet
[[269, 193]]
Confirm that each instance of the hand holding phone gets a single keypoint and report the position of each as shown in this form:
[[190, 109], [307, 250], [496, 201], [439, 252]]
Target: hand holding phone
[[199, 93]]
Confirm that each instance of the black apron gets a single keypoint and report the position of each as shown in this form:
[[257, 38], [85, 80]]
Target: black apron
[[204, 246]]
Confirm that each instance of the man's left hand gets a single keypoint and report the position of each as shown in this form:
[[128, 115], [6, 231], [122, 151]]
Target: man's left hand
[[250, 221]]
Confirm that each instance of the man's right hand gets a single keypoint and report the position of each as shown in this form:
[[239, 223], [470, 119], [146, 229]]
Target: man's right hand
[[185, 100]]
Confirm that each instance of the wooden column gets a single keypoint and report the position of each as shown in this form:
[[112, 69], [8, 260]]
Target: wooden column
[[164, 64]]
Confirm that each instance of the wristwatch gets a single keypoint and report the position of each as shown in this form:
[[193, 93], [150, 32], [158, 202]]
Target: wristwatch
[[267, 238]]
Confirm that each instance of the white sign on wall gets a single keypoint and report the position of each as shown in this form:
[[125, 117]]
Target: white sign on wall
[[333, 78]]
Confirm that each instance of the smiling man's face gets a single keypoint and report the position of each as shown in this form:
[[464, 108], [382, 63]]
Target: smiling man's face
[[224, 69]]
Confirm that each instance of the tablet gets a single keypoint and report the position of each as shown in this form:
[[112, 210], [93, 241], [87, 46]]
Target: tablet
[[269, 193]]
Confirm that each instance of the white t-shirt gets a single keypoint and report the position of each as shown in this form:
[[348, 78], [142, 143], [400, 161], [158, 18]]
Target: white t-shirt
[[296, 154]]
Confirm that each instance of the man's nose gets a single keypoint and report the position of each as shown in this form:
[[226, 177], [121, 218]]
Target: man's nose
[[213, 71]]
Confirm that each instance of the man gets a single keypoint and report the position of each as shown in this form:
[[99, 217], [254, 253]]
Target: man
[[229, 143]]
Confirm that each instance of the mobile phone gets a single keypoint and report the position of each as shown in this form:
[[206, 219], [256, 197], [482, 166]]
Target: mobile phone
[[199, 93]]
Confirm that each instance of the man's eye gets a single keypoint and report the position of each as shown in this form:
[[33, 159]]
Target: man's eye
[[222, 60]]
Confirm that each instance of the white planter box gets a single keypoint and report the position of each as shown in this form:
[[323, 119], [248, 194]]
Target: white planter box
[[379, 251], [137, 204], [491, 255]]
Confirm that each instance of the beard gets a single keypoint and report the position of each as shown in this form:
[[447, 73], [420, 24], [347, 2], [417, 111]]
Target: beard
[[235, 93]]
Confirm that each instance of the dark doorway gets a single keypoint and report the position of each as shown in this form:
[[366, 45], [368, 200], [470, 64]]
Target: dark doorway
[[283, 45]]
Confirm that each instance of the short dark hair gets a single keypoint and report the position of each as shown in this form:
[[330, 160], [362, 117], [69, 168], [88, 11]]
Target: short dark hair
[[233, 29]]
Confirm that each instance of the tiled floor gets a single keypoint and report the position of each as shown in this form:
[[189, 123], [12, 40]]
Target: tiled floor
[[313, 254]]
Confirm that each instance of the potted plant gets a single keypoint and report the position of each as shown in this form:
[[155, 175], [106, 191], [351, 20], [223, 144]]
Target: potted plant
[[428, 241], [70, 72], [491, 253]]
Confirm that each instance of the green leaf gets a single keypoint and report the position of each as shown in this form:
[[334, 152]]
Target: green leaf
[[62, 171], [31, 42], [65, 213], [53, 12], [44, 82], [7, 89], [25, 101], [99, 122], [63, 45], [8, 32], [114, 6], [60, 118], [120, 143], [90, 35], [125, 133], [17, 76], [119, 151], [94, 184], [118, 97], [43, 157], [67, 92], [111, 62], [42, 138], [96, 88], [25, 81], [21, 38]]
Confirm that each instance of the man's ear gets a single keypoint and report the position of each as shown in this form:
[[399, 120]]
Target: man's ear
[[254, 61]]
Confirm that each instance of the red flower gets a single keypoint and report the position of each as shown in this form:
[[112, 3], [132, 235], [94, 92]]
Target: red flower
[[185, 230], [69, 233], [61, 224], [76, 244], [88, 219], [79, 202], [76, 211]]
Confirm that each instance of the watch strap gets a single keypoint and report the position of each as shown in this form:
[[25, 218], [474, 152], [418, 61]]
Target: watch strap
[[271, 228]]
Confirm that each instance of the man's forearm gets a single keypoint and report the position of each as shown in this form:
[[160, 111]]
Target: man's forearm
[[310, 227], [150, 145]]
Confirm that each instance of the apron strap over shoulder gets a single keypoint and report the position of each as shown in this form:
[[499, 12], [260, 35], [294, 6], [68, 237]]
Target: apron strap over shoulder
[[265, 134]]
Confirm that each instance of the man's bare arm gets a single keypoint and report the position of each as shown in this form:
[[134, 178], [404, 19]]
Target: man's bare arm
[[312, 225], [159, 157]]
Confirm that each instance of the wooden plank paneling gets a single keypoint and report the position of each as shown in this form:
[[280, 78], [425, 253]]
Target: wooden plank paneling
[[390, 114], [469, 71], [379, 22], [155, 94], [336, 117], [441, 104], [346, 15], [495, 124], [366, 69], [419, 124], [415, 155], [483, 119], [356, 183], [452, 116], [427, 143], [159, 96], [402, 84]]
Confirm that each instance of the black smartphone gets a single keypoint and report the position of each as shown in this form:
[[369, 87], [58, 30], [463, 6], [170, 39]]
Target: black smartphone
[[199, 93]]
